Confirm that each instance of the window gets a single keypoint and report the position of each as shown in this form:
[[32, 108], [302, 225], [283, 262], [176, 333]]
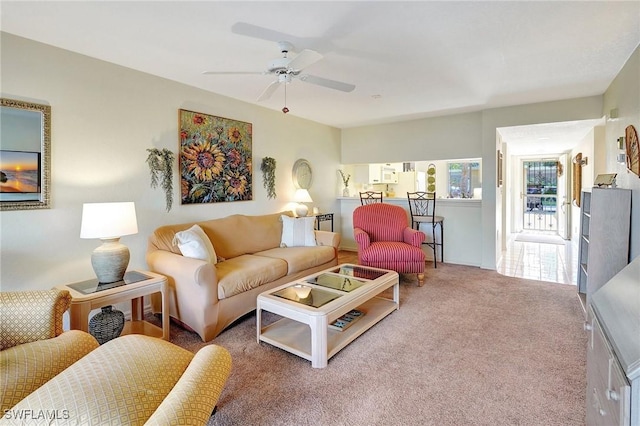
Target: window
[[464, 177]]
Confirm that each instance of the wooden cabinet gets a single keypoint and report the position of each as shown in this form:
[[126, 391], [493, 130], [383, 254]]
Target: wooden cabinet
[[604, 237], [613, 351]]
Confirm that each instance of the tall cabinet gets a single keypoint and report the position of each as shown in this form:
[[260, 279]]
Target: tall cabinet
[[604, 237]]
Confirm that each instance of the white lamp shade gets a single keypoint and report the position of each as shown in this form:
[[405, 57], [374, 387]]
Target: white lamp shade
[[302, 196], [108, 220]]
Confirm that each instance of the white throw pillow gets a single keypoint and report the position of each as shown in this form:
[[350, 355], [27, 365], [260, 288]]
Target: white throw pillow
[[196, 244], [298, 231]]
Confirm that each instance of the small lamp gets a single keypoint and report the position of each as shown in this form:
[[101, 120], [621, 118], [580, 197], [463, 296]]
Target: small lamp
[[109, 222], [302, 196]]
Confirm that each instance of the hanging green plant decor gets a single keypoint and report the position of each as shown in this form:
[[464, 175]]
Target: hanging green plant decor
[[268, 168], [161, 167]]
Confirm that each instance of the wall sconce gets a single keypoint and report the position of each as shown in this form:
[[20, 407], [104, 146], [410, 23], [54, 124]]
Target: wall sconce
[[580, 160], [622, 156]]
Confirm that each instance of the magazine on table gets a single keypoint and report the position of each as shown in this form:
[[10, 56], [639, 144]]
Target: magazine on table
[[346, 320]]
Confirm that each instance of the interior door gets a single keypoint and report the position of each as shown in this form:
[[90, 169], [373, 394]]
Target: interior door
[[563, 199]]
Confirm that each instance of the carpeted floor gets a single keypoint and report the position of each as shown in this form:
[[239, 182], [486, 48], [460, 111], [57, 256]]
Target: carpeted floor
[[471, 347]]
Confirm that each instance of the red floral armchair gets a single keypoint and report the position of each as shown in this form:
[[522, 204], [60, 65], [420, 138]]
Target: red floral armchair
[[385, 239]]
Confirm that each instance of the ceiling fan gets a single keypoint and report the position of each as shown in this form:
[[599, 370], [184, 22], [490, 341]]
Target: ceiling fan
[[286, 69]]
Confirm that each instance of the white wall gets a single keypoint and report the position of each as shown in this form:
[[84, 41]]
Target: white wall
[[624, 94], [586, 147], [104, 117], [438, 138]]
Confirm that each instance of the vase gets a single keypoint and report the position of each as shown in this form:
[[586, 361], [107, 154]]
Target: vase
[[106, 325], [345, 192]]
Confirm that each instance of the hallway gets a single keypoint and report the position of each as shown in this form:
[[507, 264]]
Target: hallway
[[535, 258]]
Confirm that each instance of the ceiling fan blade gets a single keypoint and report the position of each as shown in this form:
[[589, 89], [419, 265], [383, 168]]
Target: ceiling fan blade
[[325, 82], [255, 31], [232, 72], [304, 59], [269, 91]]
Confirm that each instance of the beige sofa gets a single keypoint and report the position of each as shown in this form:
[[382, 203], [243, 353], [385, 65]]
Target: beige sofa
[[66, 378], [207, 297]]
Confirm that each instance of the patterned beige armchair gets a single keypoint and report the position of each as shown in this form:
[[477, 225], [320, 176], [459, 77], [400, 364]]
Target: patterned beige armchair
[[131, 380], [33, 347]]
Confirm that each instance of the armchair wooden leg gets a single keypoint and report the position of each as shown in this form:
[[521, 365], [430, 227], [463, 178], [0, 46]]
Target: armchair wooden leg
[[420, 280]]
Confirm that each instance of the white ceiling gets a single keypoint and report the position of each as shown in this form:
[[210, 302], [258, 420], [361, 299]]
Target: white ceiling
[[407, 59]]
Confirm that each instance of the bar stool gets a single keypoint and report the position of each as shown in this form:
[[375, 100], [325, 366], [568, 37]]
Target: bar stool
[[422, 206], [370, 197]]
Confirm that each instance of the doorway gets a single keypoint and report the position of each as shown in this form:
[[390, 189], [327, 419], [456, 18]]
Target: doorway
[[545, 189], [540, 189], [539, 246]]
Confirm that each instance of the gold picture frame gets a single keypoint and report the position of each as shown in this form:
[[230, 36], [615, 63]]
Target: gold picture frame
[[632, 150]]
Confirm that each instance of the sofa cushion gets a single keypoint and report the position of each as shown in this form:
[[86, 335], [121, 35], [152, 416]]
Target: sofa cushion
[[194, 243], [245, 272], [301, 258], [298, 231], [231, 236], [236, 235]]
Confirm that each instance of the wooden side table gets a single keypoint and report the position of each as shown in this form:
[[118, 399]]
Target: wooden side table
[[89, 295]]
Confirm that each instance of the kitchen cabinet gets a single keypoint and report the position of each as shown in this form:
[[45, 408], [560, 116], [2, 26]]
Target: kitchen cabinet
[[368, 173]]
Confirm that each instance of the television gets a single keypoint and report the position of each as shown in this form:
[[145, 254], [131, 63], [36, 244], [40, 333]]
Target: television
[[20, 175]]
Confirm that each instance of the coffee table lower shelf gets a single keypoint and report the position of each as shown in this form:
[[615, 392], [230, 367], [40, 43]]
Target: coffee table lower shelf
[[295, 337]]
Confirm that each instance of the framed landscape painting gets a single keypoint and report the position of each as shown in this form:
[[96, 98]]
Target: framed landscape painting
[[215, 159], [25, 155]]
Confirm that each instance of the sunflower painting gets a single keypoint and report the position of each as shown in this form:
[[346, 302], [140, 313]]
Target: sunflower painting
[[215, 159]]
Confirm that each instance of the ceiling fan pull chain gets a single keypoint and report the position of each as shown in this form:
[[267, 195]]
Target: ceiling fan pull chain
[[285, 109]]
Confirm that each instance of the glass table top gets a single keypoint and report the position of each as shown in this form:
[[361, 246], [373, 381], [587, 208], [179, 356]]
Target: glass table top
[[358, 272], [93, 286], [344, 278], [338, 282], [306, 295]]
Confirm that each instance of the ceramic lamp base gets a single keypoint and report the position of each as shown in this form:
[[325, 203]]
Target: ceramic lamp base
[[110, 261], [302, 210]]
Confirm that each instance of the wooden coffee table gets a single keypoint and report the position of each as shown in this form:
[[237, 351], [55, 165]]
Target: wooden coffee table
[[309, 306]]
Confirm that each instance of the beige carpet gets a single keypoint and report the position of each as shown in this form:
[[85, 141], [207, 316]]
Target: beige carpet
[[471, 347]]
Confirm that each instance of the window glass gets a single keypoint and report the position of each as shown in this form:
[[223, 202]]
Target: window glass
[[464, 177]]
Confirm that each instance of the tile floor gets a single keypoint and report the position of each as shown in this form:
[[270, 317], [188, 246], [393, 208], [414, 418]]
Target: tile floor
[[540, 261]]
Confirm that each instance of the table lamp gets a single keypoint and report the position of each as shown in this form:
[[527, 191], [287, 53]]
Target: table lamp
[[109, 222], [302, 196]]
